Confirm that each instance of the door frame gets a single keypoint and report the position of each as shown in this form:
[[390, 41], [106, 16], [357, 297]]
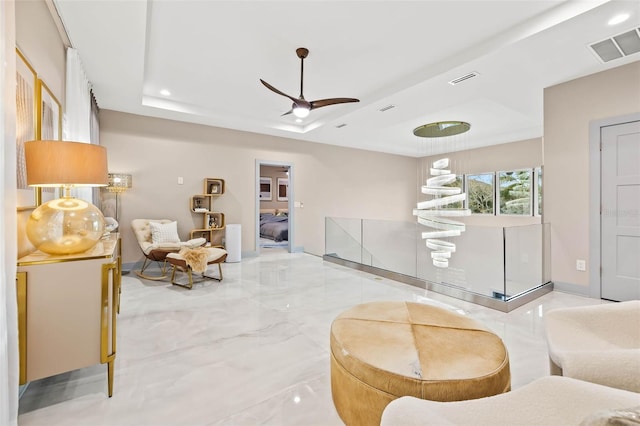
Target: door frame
[[595, 229], [290, 203]]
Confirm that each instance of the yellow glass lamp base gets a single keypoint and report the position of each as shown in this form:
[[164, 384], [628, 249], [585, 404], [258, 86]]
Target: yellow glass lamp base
[[65, 226]]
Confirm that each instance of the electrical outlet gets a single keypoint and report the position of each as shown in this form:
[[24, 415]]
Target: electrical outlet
[[581, 265]]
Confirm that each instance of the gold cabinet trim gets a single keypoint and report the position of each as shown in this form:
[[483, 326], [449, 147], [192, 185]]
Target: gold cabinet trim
[[105, 355], [21, 292]]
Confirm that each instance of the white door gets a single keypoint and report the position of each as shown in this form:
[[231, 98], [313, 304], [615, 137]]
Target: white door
[[620, 211]]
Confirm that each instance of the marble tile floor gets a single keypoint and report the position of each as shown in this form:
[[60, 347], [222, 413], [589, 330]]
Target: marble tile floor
[[250, 350]]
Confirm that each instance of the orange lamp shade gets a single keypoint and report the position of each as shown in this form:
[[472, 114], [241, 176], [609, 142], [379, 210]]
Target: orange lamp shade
[[58, 163]]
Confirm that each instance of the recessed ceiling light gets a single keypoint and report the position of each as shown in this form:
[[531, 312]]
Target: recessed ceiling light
[[618, 19], [165, 92], [298, 120]]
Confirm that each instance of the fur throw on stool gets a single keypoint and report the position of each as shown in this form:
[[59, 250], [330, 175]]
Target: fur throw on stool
[[196, 258]]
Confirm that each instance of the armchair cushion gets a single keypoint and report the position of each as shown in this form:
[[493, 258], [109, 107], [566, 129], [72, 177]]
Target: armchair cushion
[[550, 400], [164, 232], [142, 230]]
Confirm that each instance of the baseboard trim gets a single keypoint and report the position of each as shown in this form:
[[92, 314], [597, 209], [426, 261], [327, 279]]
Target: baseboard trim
[[578, 290], [449, 290]]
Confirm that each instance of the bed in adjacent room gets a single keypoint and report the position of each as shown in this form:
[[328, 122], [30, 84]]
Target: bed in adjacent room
[[274, 225]]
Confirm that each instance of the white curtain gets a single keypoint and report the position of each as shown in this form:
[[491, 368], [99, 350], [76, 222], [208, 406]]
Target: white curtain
[[8, 219], [77, 114]]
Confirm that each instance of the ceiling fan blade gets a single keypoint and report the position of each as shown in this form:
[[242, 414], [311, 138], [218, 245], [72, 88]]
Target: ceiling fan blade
[[273, 89], [325, 102], [301, 106]]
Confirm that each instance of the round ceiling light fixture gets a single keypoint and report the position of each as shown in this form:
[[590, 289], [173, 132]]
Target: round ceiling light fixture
[[618, 19], [441, 129]]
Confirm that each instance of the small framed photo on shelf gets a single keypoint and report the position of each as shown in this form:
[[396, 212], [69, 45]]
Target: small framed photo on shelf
[[214, 188]]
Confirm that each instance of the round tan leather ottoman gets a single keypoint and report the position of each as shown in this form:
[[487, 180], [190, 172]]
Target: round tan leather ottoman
[[381, 351]]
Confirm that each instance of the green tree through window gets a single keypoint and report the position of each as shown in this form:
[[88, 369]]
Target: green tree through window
[[480, 193], [515, 192]]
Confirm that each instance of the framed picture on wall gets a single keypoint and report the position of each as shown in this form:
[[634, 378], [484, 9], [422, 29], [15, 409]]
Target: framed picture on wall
[[49, 114], [26, 124], [283, 189], [265, 188], [48, 125]]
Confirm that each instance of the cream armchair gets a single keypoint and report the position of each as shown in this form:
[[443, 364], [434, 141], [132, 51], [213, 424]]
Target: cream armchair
[[157, 238], [550, 400], [599, 343]]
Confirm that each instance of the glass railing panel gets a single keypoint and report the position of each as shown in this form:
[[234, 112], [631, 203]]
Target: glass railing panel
[[495, 262], [391, 245], [343, 238], [524, 258], [546, 252], [476, 266]]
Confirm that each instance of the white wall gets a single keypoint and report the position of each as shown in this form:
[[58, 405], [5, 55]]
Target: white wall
[[8, 249], [568, 109], [329, 180], [37, 37]]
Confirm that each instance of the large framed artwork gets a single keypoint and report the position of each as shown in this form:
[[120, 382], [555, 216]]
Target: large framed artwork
[[283, 189], [265, 188], [48, 126], [26, 125]]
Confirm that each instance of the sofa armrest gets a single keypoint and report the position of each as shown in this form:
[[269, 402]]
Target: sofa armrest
[[618, 369]]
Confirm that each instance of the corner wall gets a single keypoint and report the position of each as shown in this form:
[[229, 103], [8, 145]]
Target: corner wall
[[568, 109]]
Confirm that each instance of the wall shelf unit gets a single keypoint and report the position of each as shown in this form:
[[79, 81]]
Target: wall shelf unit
[[212, 221]]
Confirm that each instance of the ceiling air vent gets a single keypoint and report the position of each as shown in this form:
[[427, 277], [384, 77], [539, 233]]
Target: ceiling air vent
[[463, 78], [387, 108], [618, 46]]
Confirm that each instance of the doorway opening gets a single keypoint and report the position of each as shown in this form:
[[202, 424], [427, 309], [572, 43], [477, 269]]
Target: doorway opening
[[274, 206]]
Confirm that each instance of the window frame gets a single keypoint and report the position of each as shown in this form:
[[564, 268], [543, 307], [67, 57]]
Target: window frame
[[493, 190], [498, 207]]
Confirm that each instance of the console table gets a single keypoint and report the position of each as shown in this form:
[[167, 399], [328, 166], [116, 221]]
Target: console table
[[67, 308]]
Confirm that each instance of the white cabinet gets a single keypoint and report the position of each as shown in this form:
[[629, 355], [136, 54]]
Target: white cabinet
[[67, 307]]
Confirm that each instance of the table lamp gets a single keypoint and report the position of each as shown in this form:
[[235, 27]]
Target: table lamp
[[66, 225]]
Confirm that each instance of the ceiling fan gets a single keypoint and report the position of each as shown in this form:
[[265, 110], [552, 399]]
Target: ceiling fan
[[301, 107]]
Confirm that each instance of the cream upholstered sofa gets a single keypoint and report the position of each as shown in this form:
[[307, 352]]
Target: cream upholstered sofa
[[599, 343], [550, 400]]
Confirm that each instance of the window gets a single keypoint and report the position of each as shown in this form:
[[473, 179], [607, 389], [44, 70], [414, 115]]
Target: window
[[456, 184], [480, 193], [538, 194], [514, 192]]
